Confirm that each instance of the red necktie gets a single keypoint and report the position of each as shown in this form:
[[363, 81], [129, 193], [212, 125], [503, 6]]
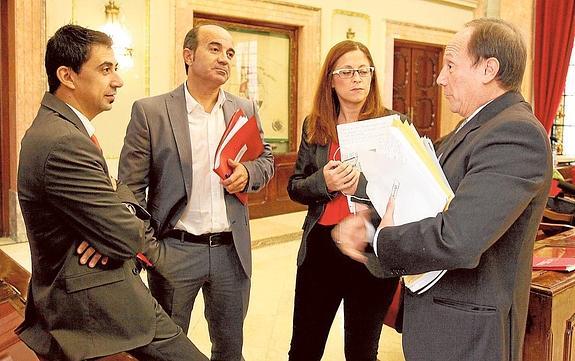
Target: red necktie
[[140, 256], [95, 141]]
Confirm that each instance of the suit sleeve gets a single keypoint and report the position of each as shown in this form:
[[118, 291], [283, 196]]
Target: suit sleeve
[[506, 169], [260, 170], [135, 157], [134, 169], [307, 183], [77, 185]]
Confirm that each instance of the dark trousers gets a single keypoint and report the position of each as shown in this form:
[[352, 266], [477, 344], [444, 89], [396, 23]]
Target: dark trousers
[[183, 268], [325, 278], [169, 343]]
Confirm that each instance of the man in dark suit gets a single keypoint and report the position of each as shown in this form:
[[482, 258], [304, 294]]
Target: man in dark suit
[[498, 162], [202, 227], [73, 311]]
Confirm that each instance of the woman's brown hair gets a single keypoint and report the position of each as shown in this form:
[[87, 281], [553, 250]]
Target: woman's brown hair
[[322, 121]]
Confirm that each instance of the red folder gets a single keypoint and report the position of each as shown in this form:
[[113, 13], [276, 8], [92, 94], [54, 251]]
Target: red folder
[[241, 142], [554, 259]]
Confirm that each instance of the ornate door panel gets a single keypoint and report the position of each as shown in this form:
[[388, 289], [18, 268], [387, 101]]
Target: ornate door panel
[[415, 91]]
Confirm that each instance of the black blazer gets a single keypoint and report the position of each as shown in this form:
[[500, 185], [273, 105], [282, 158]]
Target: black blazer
[[307, 184]]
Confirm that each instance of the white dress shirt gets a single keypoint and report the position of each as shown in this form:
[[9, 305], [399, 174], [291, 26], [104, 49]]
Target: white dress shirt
[[206, 209], [85, 122]]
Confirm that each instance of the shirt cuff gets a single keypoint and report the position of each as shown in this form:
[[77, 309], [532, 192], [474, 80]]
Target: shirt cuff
[[374, 244]]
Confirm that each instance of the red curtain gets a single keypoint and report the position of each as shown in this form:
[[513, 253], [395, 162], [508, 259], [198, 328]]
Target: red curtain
[[554, 32]]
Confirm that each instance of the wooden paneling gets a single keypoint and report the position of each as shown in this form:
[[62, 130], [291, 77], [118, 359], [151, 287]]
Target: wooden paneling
[[5, 78], [551, 315], [274, 199], [415, 92]]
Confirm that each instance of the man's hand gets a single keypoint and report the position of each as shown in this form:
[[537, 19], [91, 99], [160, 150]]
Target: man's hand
[[350, 237], [237, 181], [340, 176], [90, 256]]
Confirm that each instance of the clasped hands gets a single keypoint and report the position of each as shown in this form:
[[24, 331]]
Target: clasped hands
[[88, 255], [351, 235]]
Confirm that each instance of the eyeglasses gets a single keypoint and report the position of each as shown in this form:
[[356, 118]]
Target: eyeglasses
[[348, 73]]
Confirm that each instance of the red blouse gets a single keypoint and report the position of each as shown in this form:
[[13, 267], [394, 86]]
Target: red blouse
[[336, 209]]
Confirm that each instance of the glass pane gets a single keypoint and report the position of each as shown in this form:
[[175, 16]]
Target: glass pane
[[261, 72], [569, 128]]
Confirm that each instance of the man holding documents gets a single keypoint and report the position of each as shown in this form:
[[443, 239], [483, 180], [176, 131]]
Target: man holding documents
[[498, 163], [202, 226]]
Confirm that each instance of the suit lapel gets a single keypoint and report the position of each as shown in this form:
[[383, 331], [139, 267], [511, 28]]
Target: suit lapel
[[50, 101], [489, 112], [229, 108], [178, 117]]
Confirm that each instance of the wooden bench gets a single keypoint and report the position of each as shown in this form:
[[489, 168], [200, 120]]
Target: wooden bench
[[13, 292]]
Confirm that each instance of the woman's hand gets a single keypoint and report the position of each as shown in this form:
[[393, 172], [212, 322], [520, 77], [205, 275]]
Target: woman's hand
[[340, 176]]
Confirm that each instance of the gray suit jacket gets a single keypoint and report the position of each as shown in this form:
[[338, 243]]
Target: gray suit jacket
[[66, 196], [499, 166], [157, 158]]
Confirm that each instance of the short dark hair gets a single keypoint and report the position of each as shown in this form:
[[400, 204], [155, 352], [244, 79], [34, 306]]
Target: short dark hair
[[191, 41], [70, 46], [495, 38]]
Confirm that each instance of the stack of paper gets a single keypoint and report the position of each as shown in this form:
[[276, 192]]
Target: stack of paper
[[392, 154], [241, 141]]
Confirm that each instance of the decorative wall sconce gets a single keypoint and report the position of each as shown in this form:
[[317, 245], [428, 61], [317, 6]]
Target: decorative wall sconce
[[119, 34]]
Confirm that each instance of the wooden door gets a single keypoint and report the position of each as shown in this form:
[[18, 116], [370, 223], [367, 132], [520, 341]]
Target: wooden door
[[4, 119], [415, 92]]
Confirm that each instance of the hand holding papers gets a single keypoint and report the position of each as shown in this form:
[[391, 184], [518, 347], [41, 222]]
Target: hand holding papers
[[392, 153], [241, 141]]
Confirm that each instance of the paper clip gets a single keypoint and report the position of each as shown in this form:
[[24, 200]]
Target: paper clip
[[394, 189]]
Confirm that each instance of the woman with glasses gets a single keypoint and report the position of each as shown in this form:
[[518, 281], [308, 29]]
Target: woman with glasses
[[347, 92]]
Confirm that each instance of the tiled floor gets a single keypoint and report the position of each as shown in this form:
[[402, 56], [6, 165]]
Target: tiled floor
[[268, 323]]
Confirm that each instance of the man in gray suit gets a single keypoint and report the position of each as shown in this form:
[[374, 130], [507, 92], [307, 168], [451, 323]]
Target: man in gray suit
[[498, 163], [76, 312], [202, 227]]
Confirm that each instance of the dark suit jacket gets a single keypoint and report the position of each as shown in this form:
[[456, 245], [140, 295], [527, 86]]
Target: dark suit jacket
[[499, 166], [157, 158], [66, 196]]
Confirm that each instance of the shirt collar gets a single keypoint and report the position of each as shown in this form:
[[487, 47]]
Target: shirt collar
[[192, 103], [472, 115], [85, 122]]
